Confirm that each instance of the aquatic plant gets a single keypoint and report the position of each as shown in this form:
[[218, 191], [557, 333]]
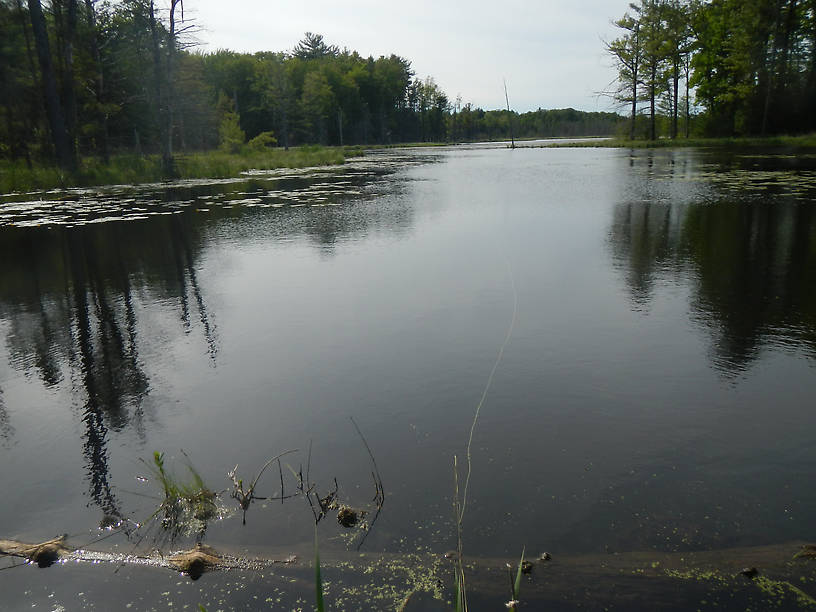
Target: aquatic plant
[[460, 505], [184, 503], [245, 497], [318, 581], [515, 586]]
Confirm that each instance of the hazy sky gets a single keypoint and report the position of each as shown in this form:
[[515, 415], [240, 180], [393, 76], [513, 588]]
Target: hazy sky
[[549, 51]]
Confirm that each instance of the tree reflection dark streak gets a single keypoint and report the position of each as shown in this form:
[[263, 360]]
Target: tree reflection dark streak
[[95, 446]]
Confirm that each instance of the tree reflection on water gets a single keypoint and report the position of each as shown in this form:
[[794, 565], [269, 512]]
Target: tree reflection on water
[[70, 299], [750, 266]]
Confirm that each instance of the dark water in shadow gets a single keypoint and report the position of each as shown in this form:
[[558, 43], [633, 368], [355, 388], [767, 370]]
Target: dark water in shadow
[[656, 392]]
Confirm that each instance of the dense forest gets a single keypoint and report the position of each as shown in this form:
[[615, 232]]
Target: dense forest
[[92, 78], [749, 66]]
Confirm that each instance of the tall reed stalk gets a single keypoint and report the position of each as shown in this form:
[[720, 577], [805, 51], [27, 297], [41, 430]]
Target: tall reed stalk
[[460, 504]]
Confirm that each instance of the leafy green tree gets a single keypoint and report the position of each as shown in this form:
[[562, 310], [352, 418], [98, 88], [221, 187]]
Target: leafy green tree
[[231, 137], [627, 52], [317, 101]]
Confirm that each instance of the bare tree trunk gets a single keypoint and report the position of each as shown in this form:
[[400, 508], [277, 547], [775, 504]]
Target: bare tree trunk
[[56, 120], [30, 118], [771, 67], [69, 94], [167, 152], [100, 80], [285, 124], [687, 68], [652, 79], [811, 82], [676, 102], [635, 76], [27, 36], [161, 97], [158, 90], [790, 25], [509, 118]]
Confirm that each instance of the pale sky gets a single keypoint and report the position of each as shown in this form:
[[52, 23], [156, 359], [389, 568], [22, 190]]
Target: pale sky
[[549, 51]]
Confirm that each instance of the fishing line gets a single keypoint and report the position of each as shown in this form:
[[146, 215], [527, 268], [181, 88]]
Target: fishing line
[[488, 385]]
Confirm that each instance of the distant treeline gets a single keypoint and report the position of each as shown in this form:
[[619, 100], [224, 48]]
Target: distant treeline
[[89, 78], [472, 124], [750, 66]]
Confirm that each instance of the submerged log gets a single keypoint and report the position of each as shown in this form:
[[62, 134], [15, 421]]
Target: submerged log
[[43, 554], [196, 561]]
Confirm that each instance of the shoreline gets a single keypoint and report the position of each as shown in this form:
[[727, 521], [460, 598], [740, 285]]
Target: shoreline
[[777, 576], [139, 169]]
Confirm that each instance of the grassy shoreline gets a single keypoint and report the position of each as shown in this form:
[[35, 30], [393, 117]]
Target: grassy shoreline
[[132, 169], [805, 142]]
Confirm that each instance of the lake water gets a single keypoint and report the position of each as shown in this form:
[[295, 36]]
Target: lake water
[[656, 390]]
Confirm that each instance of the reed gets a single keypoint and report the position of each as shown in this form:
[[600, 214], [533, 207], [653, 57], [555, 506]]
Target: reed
[[318, 581], [184, 501], [515, 585]]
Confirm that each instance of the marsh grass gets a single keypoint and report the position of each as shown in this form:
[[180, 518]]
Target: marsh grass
[[185, 504], [127, 169]]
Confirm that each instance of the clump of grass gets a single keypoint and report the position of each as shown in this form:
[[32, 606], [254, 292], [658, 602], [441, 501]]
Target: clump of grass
[[185, 504]]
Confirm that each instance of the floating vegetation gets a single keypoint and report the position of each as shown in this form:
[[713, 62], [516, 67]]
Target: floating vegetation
[[348, 517], [779, 591], [808, 551]]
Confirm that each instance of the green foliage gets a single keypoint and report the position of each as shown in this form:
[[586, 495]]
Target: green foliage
[[132, 169], [230, 135], [750, 64], [130, 100], [263, 142], [312, 46]]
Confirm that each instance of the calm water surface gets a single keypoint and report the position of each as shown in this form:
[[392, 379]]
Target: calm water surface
[[656, 391]]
